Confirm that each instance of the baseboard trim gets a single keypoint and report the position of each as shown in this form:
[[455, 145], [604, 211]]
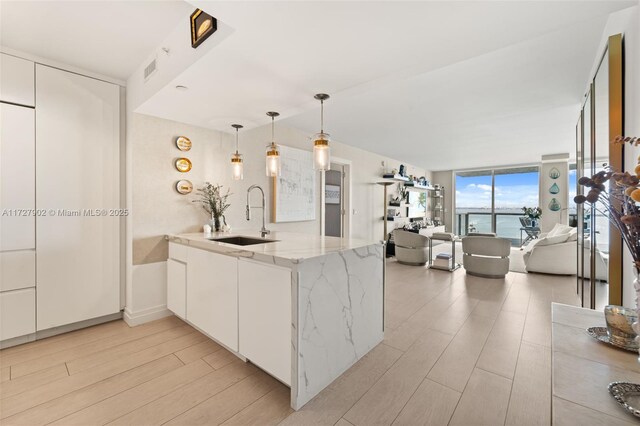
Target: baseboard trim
[[43, 334], [15, 341], [150, 314]]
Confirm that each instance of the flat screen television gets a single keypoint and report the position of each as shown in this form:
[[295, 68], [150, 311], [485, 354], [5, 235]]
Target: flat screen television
[[417, 204]]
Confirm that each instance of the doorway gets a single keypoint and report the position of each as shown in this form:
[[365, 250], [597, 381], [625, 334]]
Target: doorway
[[333, 204]]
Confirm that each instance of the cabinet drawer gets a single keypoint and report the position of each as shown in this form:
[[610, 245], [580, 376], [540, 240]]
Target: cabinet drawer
[[17, 270], [178, 252], [177, 288], [17, 313], [17, 80]]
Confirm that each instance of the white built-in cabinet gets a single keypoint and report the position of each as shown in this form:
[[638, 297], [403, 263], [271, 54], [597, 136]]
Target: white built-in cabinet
[[17, 178], [59, 158], [17, 313], [77, 172], [16, 80], [264, 300], [17, 200], [212, 295], [243, 304]]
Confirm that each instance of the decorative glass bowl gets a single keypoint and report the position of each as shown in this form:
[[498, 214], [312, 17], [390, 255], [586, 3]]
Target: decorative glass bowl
[[619, 322]]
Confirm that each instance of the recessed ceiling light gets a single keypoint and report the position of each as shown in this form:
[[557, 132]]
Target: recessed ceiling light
[[182, 88]]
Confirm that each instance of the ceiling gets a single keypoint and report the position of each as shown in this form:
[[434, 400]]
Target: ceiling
[[111, 38], [438, 84], [442, 85]]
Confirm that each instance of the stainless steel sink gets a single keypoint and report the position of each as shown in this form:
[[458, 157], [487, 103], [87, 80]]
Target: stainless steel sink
[[242, 241]]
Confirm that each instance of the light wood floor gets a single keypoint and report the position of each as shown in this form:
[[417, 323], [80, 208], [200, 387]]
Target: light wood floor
[[458, 350]]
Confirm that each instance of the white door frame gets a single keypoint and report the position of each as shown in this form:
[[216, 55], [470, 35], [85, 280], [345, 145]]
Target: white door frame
[[346, 197]]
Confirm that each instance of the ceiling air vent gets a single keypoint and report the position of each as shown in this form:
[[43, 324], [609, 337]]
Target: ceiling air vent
[[150, 69]]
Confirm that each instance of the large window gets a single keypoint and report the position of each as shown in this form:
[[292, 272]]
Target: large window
[[492, 200]]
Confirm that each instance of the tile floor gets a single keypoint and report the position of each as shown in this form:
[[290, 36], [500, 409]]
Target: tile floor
[[458, 350]]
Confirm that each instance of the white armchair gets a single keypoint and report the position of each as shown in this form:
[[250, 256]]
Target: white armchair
[[411, 248], [486, 256]]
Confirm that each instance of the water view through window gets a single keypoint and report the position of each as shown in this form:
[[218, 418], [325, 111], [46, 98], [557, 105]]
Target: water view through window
[[492, 200]]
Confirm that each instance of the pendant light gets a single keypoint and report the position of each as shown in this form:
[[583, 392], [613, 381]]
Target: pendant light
[[236, 159], [273, 152], [321, 150]]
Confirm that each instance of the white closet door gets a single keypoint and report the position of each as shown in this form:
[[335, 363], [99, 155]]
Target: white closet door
[[16, 80], [77, 169], [17, 178]]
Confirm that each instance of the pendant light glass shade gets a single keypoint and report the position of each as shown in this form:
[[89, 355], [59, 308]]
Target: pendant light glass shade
[[321, 152], [321, 149], [237, 164], [273, 151]]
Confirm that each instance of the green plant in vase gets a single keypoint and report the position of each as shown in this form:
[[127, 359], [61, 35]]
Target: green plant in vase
[[214, 202]]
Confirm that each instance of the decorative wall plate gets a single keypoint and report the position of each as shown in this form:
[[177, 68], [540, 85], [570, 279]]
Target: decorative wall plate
[[554, 173], [183, 165], [554, 205], [183, 143], [554, 189], [184, 186]]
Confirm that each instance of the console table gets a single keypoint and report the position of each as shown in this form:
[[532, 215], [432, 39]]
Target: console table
[[582, 368]]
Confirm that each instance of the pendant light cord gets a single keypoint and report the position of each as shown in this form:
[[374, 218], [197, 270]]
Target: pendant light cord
[[236, 140], [321, 116], [272, 131]]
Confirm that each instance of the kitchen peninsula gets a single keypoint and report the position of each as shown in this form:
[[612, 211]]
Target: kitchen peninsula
[[302, 307]]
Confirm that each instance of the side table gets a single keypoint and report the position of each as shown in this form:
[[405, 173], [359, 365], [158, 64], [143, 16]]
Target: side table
[[444, 236]]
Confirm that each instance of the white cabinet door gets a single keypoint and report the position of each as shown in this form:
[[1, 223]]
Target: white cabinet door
[[265, 317], [212, 295], [77, 175], [17, 269], [16, 80], [17, 313], [177, 288], [17, 178]]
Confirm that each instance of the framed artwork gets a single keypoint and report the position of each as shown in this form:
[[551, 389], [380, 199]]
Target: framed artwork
[[332, 194], [202, 26], [294, 191]]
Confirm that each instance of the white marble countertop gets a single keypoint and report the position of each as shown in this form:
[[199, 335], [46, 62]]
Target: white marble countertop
[[290, 246]]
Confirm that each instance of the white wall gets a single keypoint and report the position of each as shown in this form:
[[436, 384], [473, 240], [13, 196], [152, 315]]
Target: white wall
[[157, 209]]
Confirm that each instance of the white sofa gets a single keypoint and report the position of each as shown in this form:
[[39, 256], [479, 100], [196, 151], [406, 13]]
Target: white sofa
[[556, 253]]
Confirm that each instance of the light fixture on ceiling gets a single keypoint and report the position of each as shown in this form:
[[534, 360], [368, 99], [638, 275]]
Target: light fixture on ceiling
[[273, 151], [321, 150], [181, 88], [236, 159]]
